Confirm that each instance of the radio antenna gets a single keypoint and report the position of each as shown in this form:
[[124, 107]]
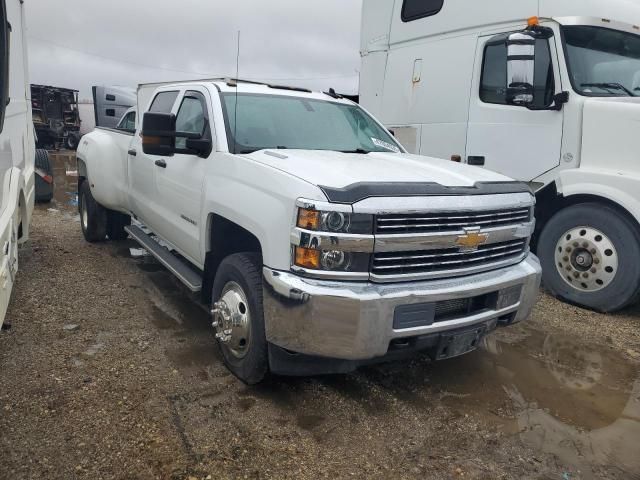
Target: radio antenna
[[235, 114]]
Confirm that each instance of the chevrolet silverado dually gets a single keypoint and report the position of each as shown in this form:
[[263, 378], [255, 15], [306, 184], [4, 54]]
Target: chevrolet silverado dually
[[318, 242]]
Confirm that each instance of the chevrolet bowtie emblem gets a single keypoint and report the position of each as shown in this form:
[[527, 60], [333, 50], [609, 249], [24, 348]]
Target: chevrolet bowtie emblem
[[471, 241]]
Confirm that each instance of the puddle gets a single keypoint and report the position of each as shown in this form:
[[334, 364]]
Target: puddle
[[65, 179], [580, 402]]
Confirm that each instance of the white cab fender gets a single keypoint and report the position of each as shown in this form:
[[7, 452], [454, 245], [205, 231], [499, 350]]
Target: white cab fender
[[620, 188]]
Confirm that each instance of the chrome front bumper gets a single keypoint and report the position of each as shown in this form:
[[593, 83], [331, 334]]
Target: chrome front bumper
[[354, 320]]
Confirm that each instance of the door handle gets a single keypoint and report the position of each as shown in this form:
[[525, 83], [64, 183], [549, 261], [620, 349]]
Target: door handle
[[133, 153], [473, 160], [161, 163]]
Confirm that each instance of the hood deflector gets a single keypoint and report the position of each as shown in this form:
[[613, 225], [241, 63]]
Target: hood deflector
[[357, 192]]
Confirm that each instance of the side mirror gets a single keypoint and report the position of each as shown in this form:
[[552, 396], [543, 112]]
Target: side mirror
[[521, 59], [195, 143], [159, 134]]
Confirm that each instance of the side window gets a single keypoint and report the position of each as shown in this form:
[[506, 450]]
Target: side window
[[416, 9], [4, 61], [163, 103], [128, 122], [493, 83], [191, 117]]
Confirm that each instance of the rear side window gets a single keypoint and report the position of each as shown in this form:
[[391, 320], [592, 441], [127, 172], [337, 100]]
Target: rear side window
[[128, 122], [416, 9], [493, 85], [163, 103]]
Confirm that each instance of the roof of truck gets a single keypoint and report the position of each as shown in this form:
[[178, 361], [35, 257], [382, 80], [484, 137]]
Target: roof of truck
[[233, 85]]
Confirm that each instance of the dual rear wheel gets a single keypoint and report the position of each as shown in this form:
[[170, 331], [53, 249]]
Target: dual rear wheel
[[98, 222]]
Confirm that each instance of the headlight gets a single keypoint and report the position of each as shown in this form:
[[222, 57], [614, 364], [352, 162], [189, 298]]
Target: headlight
[[335, 222], [331, 260]]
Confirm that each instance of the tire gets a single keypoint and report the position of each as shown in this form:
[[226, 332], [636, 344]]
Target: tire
[[93, 216], [597, 250], [116, 222], [44, 190], [237, 281], [72, 141]]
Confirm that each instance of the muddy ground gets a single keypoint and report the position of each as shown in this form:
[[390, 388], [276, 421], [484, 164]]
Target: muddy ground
[[134, 387]]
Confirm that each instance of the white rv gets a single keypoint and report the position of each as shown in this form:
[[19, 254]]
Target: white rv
[[540, 90], [17, 145]]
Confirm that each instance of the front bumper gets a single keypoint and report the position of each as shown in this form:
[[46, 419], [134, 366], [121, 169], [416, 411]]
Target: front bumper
[[355, 320]]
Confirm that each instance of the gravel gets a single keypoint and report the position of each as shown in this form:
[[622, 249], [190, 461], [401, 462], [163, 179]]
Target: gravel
[[139, 389]]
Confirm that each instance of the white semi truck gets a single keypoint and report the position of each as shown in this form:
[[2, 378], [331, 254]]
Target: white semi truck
[[17, 145], [318, 242], [539, 90]]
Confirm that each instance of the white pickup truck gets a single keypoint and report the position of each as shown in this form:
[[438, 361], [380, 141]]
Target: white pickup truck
[[318, 242]]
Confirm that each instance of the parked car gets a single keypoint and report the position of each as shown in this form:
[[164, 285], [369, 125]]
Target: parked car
[[56, 116], [318, 242], [17, 146], [548, 101]]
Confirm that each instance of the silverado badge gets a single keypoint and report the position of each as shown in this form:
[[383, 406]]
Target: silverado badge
[[471, 240]]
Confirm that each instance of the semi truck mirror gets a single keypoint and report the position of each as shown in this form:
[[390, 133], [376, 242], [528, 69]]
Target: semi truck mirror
[[159, 134], [521, 56]]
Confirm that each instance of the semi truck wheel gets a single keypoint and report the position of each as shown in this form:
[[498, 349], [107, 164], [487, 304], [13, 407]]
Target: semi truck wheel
[[116, 222], [238, 316], [589, 254], [44, 177], [93, 216]]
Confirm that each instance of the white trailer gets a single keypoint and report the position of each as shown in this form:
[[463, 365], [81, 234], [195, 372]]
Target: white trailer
[[17, 145], [539, 90]]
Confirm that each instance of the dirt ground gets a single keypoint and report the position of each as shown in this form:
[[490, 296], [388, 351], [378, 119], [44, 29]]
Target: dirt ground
[[109, 370]]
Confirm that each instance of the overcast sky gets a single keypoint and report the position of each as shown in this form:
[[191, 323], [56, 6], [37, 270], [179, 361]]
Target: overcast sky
[[80, 43]]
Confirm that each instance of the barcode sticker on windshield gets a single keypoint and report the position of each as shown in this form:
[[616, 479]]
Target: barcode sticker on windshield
[[389, 146]]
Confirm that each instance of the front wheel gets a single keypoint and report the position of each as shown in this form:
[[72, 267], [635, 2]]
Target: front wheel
[[238, 316], [589, 254]]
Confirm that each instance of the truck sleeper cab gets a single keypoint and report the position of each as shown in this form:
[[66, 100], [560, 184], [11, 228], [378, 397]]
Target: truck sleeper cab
[[17, 146], [549, 101], [318, 242]]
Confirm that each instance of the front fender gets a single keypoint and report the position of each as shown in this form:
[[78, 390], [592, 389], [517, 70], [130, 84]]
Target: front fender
[[621, 188], [259, 199]]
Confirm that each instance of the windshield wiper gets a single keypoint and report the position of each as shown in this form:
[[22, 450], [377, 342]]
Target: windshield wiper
[[610, 86], [361, 151]]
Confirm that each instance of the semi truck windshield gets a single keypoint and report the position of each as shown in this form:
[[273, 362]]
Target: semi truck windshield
[[603, 62]]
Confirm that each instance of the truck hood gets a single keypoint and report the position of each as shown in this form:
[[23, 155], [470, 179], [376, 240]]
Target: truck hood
[[339, 170], [610, 137]]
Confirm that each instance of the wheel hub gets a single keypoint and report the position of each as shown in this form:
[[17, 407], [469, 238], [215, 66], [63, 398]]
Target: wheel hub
[[231, 319], [586, 259]]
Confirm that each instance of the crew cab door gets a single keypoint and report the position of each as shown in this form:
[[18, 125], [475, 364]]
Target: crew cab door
[[179, 184], [143, 167], [510, 139]]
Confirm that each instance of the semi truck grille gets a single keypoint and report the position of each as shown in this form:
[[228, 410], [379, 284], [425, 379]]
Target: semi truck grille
[[425, 262], [447, 222]]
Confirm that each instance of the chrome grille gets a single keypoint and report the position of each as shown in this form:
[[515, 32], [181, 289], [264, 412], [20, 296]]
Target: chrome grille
[[447, 222], [449, 260]]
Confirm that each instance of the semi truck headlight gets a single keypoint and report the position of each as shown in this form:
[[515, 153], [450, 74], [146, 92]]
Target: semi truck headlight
[[335, 222]]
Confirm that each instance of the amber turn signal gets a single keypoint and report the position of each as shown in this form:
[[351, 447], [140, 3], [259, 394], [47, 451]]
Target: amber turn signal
[[533, 21], [307, 258], [308, 219]]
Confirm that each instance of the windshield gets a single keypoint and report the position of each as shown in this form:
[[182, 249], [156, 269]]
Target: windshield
[[603, 62], [278, 121]]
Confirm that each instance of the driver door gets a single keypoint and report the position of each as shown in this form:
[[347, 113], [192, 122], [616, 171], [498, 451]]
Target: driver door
[[179, 179], [510, 139]]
